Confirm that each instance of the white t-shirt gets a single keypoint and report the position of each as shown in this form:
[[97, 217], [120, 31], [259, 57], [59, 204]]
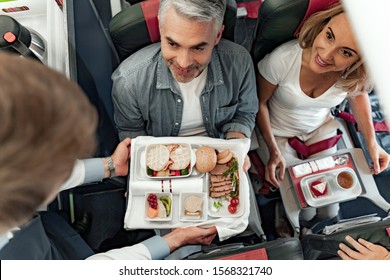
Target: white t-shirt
[[292, 112], [192, 120]]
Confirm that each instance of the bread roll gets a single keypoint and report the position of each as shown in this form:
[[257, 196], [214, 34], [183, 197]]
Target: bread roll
[[206, 159], [228, 157]]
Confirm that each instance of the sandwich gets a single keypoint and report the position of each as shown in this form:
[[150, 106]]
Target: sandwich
[[180, 157], [157, 157], [193, 206]]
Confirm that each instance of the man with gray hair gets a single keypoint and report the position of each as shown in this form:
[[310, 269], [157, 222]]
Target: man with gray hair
[[192, 83]]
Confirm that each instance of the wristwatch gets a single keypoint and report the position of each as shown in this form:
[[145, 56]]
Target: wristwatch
[[111, 167]]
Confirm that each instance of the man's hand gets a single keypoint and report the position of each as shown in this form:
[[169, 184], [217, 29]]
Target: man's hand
[[190, 236], [121, 157], [247, 164], [234, 135], [239, 135], [364, 250]]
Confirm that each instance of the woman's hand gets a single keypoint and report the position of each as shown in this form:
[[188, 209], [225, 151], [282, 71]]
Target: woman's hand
[[365, 250], [380, 159], [276, 161]]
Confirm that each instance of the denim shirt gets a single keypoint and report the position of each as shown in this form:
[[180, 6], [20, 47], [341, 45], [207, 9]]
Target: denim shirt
[[147, 99]]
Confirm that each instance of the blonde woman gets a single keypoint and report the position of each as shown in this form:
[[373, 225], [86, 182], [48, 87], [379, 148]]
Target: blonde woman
[[299, 83]]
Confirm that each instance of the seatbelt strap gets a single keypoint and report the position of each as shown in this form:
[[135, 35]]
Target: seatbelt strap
[[348, 117], [260, 168], [304, 151]]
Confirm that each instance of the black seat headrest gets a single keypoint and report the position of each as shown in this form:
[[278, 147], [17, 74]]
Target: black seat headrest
[[137, 26], [280, 20]]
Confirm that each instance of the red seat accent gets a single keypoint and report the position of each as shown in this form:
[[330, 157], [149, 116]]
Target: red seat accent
[[252, 8], [260, 168], [258, 254], [9, 37], [378, 126], [150, 10], [314, 7]]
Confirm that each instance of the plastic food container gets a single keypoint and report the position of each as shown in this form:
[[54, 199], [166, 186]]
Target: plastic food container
[[193, 207], [164, 203], [346, 179], [169, 161]]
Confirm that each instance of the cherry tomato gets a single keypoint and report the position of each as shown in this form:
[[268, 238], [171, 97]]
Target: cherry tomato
[[232, 209], [234, 201]]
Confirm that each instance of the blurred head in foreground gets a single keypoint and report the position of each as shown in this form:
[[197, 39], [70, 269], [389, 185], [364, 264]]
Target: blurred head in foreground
[[46, 124]]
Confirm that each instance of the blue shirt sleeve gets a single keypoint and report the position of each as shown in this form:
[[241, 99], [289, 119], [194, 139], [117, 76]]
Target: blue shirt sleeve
[[94, 170], [157, 247]]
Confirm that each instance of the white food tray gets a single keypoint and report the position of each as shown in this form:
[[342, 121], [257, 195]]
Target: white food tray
[[140, 183]]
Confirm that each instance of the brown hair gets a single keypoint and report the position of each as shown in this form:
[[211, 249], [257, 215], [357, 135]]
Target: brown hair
[[46, 124], [355, 79]]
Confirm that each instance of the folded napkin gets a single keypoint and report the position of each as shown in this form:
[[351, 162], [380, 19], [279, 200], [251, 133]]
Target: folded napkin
[[313, 166], [175, 186]]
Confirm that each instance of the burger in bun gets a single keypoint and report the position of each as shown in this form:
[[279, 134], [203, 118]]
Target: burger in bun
[[206, 159]]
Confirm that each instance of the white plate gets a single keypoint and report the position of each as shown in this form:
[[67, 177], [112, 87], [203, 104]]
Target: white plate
[[222, 211], [335, 193], [185, 218]]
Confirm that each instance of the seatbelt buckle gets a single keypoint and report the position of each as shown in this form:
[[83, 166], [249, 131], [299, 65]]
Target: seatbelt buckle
[[335, 111]]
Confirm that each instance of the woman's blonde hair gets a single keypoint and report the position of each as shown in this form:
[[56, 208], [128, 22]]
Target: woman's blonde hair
[[46, 124], [355, 79]]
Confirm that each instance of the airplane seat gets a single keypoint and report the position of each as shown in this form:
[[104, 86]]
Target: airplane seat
[[137, 26], [288, 248], [324, 246], [280, 20]]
